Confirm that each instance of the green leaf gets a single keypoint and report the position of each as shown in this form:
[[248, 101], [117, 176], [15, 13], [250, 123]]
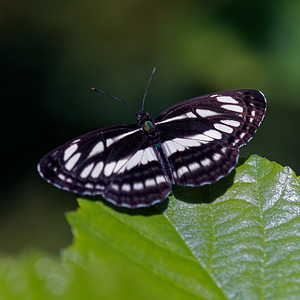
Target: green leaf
[[248, 238], [146, 247], [236, 239]]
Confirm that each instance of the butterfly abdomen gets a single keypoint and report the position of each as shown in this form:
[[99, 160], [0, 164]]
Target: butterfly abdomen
[[152, 133], [163, 160]]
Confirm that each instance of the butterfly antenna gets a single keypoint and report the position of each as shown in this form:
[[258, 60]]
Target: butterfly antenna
[[153, 71], [114, 98]]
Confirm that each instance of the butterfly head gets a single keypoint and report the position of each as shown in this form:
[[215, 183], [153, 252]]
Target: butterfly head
[[142, 117]]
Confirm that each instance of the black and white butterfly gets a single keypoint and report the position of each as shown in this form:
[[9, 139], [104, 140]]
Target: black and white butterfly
[[192, 143]]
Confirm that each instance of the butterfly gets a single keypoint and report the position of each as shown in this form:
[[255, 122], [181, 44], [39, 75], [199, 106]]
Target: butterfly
[[192, 143]]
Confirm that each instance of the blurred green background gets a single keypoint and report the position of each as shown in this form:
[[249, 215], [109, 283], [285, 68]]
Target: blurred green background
[[52, 52]]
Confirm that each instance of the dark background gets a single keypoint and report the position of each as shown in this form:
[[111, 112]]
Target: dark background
[[52, 52]]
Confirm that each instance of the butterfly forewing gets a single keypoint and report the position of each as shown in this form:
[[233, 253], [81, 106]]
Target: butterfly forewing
[[201, 136], [116, 162]]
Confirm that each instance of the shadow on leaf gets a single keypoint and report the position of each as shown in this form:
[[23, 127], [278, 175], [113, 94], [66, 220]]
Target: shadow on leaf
[[204, 194], [144, 211]]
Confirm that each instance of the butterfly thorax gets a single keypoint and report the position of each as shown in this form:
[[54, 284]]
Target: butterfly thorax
[[150, 130], [147, 124]]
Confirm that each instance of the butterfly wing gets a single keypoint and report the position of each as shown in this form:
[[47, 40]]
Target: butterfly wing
[[116, 162], [201, 136]]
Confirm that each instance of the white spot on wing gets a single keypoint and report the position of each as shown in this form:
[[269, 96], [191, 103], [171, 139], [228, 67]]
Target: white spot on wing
[[187, 142], [235, 108], [223, 128], [242, 135], [120, 165], [203, 138], [115, 187], [188, 115], [253, 113], [100, 187], [140, 157], [150, 182], [148, 155], [227, 99], [205, 162], [98, 148], [180, 144], [138, 186], [88, 186], [134, 160], [191, 115], [213, 134], [121, 136], [204, 113], [87, 170], [180, 117], [109, 142], [126, 187], [194, 166], [174, 174], [217, 156], [70, 151], [181, 171], [97, 169], [170, 147], [61, 176], [109, 168], [75, 141], [160, 179], [231, 123], [72, 161]]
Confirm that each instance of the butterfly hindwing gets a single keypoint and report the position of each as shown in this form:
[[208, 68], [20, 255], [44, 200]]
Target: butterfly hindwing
[[201, 136], [194, 165], [144, 185], [116, 162]]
